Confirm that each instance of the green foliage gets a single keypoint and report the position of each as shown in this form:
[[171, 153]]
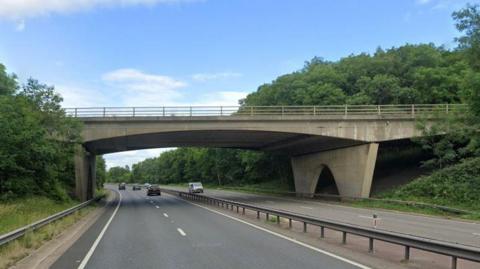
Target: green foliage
[[8, 83], [404, 75], [468, 22], [212, 166], [100, 171], [457, 185], [119, 174], [37, 144]]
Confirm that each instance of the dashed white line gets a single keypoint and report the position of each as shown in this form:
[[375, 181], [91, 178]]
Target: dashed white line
[[293, 240], [180, 231], [478, 234], [157, 206], [165, 215], [306, 207]]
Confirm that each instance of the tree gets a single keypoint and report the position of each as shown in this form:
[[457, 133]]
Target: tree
[[468, 22], [101, 171], [8, 83]]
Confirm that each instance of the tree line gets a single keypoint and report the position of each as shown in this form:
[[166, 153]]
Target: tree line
[[409, 74]]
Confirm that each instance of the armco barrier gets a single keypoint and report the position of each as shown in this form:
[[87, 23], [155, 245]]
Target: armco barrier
[[455, 251], [8, 237]]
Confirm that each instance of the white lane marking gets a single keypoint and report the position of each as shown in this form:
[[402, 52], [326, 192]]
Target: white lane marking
[[157, 206], [95, 244], [283, 237], [306, 207], [476, 234], [180, 231], [165, 214]]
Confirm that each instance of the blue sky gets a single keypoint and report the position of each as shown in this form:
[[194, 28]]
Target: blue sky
[[198, 52]]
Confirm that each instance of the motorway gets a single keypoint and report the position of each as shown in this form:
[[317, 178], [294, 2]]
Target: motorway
[[166, 232], [455, 231]]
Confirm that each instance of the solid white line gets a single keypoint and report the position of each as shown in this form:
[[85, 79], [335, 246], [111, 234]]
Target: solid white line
[[283, 237], [180, 231], [306, 207], [476, 234], [157, 206], [95, 244], [165, 214]]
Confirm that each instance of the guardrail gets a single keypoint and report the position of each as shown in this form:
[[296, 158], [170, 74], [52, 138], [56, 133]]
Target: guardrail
[[8, 237], [340, 198], [455, 251], [334, 110]]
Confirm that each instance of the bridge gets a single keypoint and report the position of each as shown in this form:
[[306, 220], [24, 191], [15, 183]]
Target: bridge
[[344, 139]]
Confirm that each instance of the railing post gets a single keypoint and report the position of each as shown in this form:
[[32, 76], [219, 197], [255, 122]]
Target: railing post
[[370, 245], [190, 111], [406, 255], [133, 112], [283, 110], [379, 112], [104, 112], [221, 110], [454, 262], [75, 112], [251, 111], [314, 110], [346, 110], [322, 232], [447, 108], [413, 111], [304, 227], [344, 238]]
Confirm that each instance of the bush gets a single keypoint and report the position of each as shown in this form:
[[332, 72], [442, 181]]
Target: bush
[[457, 185]]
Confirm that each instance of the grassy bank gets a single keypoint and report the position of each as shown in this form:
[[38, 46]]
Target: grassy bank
[[20, 212], [456, 186], [22, 247]]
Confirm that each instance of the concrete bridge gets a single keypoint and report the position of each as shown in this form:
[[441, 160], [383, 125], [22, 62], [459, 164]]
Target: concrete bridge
[[344, 139]]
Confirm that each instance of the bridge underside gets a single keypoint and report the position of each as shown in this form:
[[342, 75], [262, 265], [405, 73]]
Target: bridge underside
[[289, 143], [351, 162]]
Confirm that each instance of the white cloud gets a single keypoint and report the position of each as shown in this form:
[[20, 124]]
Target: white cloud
[[222, 98], [21, 9], [20, 26], [142, 89], [74, 96], [202, 77], [131, 157], [423, 2]]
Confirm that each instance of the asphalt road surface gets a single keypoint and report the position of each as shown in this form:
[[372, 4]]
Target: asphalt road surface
[[455, 231], [167, 232]]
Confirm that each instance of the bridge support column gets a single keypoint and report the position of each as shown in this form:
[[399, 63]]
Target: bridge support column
[[85, 183], [352, 169]]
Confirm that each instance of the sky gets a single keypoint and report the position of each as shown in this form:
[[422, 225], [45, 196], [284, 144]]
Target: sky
[[198, 52]]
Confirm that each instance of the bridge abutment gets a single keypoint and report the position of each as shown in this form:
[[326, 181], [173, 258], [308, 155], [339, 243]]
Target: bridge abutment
[[85, 183], [352, 169]]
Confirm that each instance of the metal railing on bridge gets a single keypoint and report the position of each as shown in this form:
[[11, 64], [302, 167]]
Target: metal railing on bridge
[[333, 110]]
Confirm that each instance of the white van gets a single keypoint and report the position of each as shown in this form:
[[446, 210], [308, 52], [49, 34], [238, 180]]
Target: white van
[[194, 187]]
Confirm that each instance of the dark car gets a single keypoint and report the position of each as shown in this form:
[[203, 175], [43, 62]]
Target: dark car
[[122, 186], [153, 190], [136, 187]]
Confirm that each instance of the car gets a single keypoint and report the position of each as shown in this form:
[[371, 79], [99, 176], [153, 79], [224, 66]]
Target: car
[[136, 187], [195, 187], [122, 186], [153, 190], [146, 185]]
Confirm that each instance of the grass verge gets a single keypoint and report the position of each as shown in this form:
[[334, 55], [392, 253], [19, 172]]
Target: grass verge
[[22, 247], [20, 212]]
